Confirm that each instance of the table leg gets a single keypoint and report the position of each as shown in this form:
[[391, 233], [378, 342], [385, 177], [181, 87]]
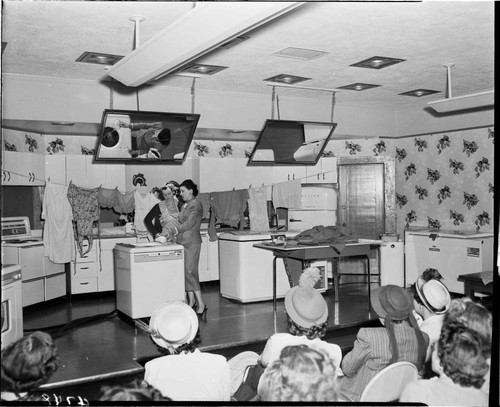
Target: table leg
[[369, 280], [335, 274], [274, 293]]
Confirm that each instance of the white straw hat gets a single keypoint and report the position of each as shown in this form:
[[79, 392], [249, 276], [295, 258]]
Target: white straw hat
[[173, 324], [434, 295]]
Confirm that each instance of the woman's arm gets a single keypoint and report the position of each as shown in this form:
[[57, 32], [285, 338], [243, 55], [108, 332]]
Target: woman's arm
[[194, 216], [358, 355], [151, 220]]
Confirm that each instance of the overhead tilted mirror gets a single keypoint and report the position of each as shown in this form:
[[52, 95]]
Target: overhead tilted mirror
[[291, 142], [145, 136]]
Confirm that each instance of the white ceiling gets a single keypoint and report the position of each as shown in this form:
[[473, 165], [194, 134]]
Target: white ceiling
[[46, 37]]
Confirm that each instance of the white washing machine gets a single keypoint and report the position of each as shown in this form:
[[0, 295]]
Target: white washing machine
[[147, 275]]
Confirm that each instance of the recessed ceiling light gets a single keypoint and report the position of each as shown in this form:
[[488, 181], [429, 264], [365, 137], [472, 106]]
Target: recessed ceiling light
[[99, 58], [300, 53], [419, 92], [358, 86], [378, 62], [285, 78], [203, 69]]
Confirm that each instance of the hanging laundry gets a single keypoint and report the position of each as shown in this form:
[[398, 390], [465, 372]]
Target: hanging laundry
[[85, 205], [124, 203], [204, 198], [257, 209], [58, 239], [287, 194], [227, 207], [107, 197], [143, 204]]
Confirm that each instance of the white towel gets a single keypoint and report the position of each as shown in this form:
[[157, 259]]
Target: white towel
[[257, 209], [287, 194], [58, 238]]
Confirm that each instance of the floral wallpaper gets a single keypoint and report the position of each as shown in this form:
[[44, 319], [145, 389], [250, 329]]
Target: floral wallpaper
[[443, 180]]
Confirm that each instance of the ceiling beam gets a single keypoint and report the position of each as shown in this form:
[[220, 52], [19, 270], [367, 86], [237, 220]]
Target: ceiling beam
[[201, 30]]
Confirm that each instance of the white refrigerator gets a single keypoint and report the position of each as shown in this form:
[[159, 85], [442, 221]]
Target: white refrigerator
[[452, 253]]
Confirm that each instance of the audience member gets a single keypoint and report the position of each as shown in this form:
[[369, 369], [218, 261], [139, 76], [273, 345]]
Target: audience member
[[302, 373], [185, 373], [477, 318], [26, 364], [307, 319], [376, 348], [136, 390], [431, 301], [460, 360]]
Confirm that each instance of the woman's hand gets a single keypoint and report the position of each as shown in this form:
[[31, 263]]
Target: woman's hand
[[161, 239]]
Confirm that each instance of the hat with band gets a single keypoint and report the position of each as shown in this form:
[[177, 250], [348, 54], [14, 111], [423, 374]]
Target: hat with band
[[392, 302], [434, 295]]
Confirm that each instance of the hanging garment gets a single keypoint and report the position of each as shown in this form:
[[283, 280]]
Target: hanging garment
[[227, 207], [257, 209], [143, 204], [85, 205], [204, 198], [107, 197], [58, 239], [287, 194], [124, 203]]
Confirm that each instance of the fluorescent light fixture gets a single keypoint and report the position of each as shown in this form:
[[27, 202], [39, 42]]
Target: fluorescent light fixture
[[204, 28], [472, 101]]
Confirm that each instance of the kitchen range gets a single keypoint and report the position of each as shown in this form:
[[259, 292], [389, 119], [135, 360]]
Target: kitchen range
[[42, 279]]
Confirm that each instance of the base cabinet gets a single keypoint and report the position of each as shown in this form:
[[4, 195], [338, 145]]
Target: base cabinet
[[209, 259], [95, 272]]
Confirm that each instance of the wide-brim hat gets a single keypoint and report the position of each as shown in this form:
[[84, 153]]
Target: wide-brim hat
[[306, 306], [173, 324], [391, 302], [434, 295]]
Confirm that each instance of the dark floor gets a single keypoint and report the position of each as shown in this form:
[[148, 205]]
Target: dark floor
[[97, 344]]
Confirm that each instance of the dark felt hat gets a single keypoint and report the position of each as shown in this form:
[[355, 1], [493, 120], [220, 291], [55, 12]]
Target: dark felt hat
[[391, 302]]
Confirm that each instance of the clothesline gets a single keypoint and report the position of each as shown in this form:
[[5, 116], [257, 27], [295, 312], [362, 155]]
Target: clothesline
[[100, 186]]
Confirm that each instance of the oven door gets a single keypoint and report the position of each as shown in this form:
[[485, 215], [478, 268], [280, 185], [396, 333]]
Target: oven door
[[12, 308]]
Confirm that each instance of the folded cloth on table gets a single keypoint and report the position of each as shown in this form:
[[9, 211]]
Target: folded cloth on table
[[324, 235]]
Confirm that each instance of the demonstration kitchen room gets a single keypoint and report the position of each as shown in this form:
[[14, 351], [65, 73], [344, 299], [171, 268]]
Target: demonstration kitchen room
[[354, 137]]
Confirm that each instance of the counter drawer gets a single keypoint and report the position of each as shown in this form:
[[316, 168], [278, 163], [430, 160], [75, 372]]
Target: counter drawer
[[82, 270], [90, 256], [55, 286], [33, 292], [83, 285]]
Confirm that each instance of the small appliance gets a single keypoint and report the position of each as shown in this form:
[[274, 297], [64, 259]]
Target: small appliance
[[16, 231]]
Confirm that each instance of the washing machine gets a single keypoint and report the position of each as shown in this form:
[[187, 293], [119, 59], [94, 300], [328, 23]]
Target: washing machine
[[147, 275]]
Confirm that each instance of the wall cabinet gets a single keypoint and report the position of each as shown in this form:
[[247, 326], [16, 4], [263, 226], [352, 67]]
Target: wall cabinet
[[283, 173], [55, 168], [209, 259], [83, 172], [23, 168], [95, 271], [325, 171], [42, 280]]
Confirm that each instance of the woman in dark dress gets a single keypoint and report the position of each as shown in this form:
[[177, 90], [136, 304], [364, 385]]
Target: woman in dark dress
[[187, 233]]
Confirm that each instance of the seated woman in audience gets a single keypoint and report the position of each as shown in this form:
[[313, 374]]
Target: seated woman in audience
[[477, 318], [307, 318], [185, 373], [461, 363], [136, 390], [431, 301], [26, 364], [376, 348], [301, 373]]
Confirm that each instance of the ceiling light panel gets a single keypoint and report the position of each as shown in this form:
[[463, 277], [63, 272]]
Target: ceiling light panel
[[285, 78], [300, 53], [203, 69], [358, 86], [419, 92], [377, 62], [99, 58]]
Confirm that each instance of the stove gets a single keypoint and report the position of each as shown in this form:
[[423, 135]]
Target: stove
[[16, 231]]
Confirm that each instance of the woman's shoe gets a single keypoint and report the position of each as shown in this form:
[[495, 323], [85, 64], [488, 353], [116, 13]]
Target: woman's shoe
[[194, 306], [202, 314]]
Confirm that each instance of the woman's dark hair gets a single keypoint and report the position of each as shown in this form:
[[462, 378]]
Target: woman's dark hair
[[189, 184], [136, 390], [28, 362], [315, 331], [164, 137], [462, 355]]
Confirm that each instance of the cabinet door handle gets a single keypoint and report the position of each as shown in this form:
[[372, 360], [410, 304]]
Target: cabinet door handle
[[9, 176], [84, 283], [83, 268], [4, 175]]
